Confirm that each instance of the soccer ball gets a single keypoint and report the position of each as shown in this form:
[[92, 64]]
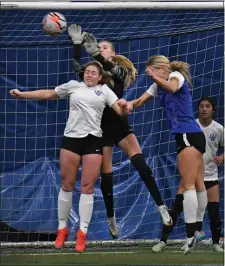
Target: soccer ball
[[54, 23]]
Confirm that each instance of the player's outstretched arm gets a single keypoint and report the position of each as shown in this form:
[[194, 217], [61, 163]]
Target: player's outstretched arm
[[141, 100], [77, 37], [37, 95], [91, 47], [120, 109], [171, 86]]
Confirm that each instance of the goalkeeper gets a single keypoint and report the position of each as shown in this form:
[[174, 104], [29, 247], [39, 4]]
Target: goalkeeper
[[116, 130]]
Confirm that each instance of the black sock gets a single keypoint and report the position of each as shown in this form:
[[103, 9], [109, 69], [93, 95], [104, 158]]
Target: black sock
[[190, 229], [145, 173], [199, 226], [215, 222], [107, 192], [177, 208]]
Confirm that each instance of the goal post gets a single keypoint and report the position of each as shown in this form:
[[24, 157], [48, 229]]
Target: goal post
[[31, 131], [112, 5]]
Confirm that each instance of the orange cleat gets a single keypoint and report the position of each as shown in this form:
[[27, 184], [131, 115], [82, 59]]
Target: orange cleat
[[61, 237], [81, 242]]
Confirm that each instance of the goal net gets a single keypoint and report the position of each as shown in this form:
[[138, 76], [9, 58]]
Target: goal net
[[31, 131]]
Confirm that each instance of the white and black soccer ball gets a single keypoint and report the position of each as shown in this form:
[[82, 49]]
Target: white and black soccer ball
[[54, 23]]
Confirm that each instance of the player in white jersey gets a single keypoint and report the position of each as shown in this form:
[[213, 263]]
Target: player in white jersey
[[214, 133], [82, 140]]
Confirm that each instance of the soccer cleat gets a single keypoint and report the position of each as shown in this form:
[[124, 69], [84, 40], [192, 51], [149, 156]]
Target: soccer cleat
[[183, 247], [167, 220], [80, 242], [159, 247], [200, 236], [217, 248], [113, 228], [61, 237], [189, 247]]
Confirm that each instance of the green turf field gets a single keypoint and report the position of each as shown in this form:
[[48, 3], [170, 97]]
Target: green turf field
[[118, 256]]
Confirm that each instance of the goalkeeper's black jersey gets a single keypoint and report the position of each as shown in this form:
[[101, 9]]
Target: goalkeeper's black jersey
[[110, 118]]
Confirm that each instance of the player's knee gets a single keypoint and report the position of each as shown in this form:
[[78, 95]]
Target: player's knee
[[87, 187], [188, 184], [67, 186], [68, 182]]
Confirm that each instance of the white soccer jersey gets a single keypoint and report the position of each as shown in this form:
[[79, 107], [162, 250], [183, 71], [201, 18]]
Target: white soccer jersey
[[86, 107], [214, 134]]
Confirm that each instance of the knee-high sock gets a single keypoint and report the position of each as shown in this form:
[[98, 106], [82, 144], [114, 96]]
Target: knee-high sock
[[190, 205], [177, 208], [215, 222], [85, 211], [145, 173], [107, 192], [202, 204], [64, 207]]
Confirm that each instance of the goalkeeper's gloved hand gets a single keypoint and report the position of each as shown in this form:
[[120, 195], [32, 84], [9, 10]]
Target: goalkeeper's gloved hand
[[76, 34], [90, 44]]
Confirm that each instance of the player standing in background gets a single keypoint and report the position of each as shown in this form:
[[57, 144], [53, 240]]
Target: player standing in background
[[172, 83], [116, 130], [82, 141], [214, 133]]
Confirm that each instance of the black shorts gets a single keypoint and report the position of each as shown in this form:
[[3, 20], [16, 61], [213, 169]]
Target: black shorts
[[114, 133], [196, 140], [211, 183], [82, 146]]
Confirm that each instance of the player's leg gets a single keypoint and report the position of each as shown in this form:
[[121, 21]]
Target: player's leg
[[202, 200], [190, 149], [129, 144], [91, 164], [107, 188], [69, 165], [175, 211], [213, 211], [188, 165]]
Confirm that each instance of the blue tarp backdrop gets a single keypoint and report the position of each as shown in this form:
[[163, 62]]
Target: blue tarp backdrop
[[31, 131]]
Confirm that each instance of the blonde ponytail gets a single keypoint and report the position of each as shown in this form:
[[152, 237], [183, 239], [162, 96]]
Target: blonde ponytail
[[128, 66], [183, 68]]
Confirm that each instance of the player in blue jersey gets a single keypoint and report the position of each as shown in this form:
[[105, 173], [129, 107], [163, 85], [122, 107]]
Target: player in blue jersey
[[214, 133], [172, 84]]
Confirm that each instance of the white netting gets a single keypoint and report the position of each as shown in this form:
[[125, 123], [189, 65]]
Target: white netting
[[31, 131]]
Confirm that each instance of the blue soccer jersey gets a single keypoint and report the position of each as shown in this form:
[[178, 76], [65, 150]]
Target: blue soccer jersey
[[177, 106]]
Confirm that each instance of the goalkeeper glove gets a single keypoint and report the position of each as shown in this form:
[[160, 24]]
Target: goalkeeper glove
[[76, 34], [90, 44]]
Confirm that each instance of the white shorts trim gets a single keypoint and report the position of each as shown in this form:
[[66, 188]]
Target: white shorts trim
[[186, 140]]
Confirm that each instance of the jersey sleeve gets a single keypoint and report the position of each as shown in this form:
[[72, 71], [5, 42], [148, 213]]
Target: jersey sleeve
[[110, 96], [116, 70], [77, 67], [178, 76], [222, 137], [153, 90], [64, 90]]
